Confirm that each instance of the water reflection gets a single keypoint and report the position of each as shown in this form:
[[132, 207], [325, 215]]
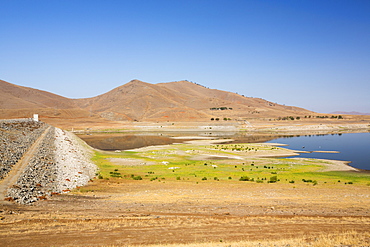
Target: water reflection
[[352, 147]]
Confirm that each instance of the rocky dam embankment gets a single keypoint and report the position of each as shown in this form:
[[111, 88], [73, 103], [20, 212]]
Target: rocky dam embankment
[[50, 160]]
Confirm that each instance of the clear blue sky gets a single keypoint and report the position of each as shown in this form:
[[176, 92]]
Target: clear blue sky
[[308, 53]]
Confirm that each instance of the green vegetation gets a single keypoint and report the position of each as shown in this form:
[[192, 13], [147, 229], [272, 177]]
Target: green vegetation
[[235, 163]]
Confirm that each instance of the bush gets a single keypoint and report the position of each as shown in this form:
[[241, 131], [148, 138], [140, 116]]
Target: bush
[[178, 178], [100, 176], [291, 181], [204, 178], [137, 178], [244, 178], [115, 174], [273, 179], [307, 180]]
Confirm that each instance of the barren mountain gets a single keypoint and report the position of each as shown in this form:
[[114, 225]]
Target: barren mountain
[[21, 102], [140, 101], [180, 101]]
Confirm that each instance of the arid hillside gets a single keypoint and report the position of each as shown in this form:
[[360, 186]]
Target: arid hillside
[[21, 102], [140, 101]]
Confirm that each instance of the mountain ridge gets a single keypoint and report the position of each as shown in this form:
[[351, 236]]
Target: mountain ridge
[[142, 101]]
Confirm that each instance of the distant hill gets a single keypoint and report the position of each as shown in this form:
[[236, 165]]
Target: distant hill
[[349, 113], [21, 102], [141, 101]]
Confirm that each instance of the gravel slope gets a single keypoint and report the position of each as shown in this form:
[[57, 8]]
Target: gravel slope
[[59, 164]]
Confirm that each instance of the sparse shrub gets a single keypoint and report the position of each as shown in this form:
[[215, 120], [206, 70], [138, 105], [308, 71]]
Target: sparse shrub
[[291, 181], [115, 174], [178, 178], [100, 176], [244, 178], [273, 179], [307, 180], [137, 178], [230, 177], [259, 181]]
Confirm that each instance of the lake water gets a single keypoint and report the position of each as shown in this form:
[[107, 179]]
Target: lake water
[[353, 147]]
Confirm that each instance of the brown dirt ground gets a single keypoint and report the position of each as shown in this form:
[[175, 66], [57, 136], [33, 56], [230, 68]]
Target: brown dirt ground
[[125, 212], [349, 121]]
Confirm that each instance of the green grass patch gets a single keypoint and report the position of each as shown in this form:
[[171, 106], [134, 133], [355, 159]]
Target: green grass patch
[[186, 162]]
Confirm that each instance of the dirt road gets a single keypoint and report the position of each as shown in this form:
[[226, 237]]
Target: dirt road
[[20, 166]]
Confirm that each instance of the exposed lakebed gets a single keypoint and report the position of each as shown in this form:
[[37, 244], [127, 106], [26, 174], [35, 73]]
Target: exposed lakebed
[[351, 147]]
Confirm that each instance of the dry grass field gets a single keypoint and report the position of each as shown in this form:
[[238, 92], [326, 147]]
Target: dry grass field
[[226, 213], [137, 200]]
